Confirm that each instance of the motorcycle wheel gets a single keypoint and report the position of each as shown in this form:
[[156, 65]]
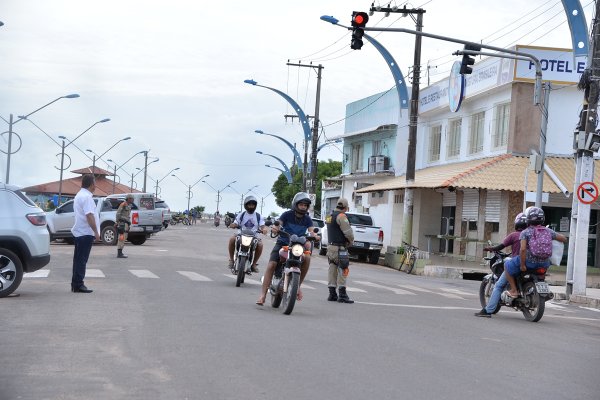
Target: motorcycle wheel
[[289, 297], [485, 292], [534, 311], [277, 295], [241, 270]]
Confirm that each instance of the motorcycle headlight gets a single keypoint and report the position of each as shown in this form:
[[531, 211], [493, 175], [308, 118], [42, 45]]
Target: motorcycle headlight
[[297, 250], [246, 240]]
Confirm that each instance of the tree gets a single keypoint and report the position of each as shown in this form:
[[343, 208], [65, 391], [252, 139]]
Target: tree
[[284, 192]]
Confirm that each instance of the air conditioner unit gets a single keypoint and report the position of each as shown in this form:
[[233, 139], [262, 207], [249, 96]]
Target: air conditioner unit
[[382, 163], [372, 163]]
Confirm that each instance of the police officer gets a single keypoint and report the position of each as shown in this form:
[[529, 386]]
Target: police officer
[[122, 222], [340, 237]]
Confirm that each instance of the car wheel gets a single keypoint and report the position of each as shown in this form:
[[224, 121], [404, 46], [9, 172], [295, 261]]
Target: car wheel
[[109, 235], [11, 272], [137, 240]]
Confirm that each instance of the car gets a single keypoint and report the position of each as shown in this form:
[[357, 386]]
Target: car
[[24, 239], [318, 223], [161, 204]]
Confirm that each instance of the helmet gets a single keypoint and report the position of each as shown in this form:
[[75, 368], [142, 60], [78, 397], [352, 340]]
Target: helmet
[[300, 197], [520, 222], [535, 216], [248, 201], [129, 196]]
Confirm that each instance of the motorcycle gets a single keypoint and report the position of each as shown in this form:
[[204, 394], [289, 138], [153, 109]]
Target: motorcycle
[[217, 221], [533, 290], [286, 278], [245, 246], [229, 218]]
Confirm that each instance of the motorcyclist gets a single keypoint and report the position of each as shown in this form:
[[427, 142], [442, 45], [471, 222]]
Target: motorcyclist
[[512, 267], [295, 222], [252, 220], [512, 239]]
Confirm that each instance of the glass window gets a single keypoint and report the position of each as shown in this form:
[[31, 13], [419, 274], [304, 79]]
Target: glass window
[[67, 207], [435, 139], [501, 125], [357, 158], [453, 144], [476, 133], [360, 219]]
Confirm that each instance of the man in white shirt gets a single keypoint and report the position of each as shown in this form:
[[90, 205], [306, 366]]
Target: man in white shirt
[[252, 220], [84, 231]]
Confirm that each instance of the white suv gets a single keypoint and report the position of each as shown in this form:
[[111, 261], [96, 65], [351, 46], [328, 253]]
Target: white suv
[[24, 239]]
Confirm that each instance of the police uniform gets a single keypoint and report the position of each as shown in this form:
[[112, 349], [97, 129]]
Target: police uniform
[[123, 221], [339, 233]]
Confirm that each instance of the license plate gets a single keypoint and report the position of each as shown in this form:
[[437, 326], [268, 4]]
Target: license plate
[[358, 244], [542, 288]]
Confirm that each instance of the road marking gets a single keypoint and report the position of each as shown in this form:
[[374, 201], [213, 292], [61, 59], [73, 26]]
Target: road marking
[[591, 309], [41, 273], [416, 288], [460, 292], [94, 273], [418, 306], [556, 306], [349, 289], [376, 285], [246, 279], [451, 296], [143, 273], [161, 250], [194, 276]]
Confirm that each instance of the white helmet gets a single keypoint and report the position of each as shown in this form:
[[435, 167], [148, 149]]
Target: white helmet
[[301, 197]]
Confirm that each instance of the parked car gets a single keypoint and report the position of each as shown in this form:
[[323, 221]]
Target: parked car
[[318, 223], [24, 240], [162, 205]]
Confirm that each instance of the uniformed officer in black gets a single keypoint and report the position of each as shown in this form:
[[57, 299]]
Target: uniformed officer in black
[[340, 235]]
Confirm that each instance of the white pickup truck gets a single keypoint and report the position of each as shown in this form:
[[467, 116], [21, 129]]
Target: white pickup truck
[[144, 222], [368, 239]]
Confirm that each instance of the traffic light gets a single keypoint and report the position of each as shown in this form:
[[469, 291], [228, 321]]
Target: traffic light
[[468, 60], [359, 20]]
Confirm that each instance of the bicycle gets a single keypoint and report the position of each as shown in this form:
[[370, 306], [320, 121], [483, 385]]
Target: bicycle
[[409, 257]]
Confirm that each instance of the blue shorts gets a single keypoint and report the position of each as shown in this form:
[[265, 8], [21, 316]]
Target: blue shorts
[[513, 266]]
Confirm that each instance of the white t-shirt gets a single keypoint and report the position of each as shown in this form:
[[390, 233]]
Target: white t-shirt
[[83, 204], [250, 221]]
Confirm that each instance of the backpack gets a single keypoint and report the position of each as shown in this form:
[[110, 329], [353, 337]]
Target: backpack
[[540, 243]]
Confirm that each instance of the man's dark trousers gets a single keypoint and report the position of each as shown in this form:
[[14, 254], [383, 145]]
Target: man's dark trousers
[[83, 247]]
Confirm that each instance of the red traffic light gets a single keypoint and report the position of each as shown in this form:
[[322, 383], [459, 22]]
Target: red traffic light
[[359, 19]]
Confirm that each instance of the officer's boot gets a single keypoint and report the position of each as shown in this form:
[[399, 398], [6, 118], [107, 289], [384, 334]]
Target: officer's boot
[[332, 294], [343, 297], [120, 254]]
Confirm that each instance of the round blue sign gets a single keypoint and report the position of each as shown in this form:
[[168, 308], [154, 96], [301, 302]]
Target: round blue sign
[[456, 87]]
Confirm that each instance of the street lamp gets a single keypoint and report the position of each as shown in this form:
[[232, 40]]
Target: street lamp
[[219, 191], [140, 170], [119, 167], [291, 146], [189, 187], [328, 144], [162, 179], [262, 201], [10, 130], [64, 146], [100, 156], [286, 171]]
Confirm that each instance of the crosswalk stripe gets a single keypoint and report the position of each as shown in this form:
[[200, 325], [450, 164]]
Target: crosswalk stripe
[[194, 276], [458, 292], [376, 285], [246, 280], [94, 273], [143, 273], [348, 289], [41, 273], [451, 296], [416, 288]]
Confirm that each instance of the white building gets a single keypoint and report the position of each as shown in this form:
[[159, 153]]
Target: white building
[[471, 165]]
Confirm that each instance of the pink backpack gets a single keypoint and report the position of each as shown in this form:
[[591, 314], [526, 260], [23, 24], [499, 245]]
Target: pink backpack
[[540, 243]]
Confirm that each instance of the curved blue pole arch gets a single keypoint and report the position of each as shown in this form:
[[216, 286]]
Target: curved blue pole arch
[[291, 146], [579, 32], [398, 77], [286, 172]]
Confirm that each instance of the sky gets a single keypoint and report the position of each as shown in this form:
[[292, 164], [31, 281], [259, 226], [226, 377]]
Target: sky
[[170, 76]]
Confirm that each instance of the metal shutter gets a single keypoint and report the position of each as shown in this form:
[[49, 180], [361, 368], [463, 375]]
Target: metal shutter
[[492, 206], [470, 204], [449, 199]]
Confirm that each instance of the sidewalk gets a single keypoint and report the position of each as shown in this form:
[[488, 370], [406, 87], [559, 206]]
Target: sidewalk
[[456, 268]]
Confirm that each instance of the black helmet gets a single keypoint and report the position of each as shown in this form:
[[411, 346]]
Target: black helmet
[[520, 222], [248, 201], [535, 216], [301, 197]]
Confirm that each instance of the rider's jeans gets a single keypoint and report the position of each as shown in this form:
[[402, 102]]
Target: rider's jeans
[[496, 293]]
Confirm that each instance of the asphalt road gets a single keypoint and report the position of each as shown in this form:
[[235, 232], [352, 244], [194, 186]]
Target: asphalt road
[[169, 323]]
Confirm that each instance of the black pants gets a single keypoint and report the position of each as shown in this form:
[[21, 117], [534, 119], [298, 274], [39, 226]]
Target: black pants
[[83, 247]]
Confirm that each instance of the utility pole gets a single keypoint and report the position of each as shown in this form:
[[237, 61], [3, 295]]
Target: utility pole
[[407, 216], [585, 144], [145, 170], [310, 184]]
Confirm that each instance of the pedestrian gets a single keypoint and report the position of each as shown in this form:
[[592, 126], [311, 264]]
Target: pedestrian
[[194, 216], [123, 222], [340, 236], [85, 230]]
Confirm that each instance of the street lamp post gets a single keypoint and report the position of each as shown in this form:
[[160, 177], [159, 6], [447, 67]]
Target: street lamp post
[[119, 167], [291, 146], [262, 201], [100, 156], [189, 187], [286, 172], [162, 179], [219, 191], [11, 122]]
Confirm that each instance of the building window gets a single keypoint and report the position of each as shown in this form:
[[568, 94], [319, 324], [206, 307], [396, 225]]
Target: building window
[[476, 133], [435, 139], [399, 198], [357, 158], [376, 148], [501, 127], [453, 144]]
